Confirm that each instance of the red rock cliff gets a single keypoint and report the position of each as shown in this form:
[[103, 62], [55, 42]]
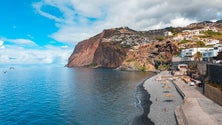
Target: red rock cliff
[[121, 48], [98, 51]]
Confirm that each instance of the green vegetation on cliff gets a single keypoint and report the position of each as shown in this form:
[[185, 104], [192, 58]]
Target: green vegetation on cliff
[[200, 44], [127, 49], [184, 41], [212, 34]]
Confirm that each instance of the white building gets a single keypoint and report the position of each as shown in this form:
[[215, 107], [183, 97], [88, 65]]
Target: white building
[[212, 42], [192, 32], [211, 28], [209, 53], [218, 47], [178, 37], [168, 33], [206, 52]]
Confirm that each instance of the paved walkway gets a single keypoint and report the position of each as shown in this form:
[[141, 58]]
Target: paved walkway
[[197, 109]]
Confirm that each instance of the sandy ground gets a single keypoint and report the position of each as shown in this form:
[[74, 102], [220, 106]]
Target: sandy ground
[[165, 99]]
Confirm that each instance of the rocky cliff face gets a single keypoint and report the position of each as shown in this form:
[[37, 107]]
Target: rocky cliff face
[[127, 49], [99, 51], [149, 56], [84, 52], [122, 48]]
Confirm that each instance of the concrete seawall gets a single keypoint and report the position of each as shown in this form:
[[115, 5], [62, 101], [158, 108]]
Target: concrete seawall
[[214, 94], [196, 109]]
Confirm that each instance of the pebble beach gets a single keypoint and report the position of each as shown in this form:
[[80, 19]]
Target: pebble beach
[[165, 98]]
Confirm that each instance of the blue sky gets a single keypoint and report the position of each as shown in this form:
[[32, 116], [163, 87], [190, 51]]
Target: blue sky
[[46, 31], [20, 20], [25, 36]]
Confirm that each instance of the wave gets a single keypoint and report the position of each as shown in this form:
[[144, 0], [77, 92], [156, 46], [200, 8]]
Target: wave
[[143, 105]]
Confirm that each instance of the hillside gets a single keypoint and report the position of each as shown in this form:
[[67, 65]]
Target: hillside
[[127, 49]]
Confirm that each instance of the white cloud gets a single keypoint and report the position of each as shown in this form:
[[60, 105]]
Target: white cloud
[[38, 7], [181, 22], [25, 51], [72, 34], [65, 46], [2, 44], [17, 54], [74, 25], [21, 41], [50, 55]]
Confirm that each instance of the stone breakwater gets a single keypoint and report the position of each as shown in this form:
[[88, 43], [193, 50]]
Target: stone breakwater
[[165, 98]]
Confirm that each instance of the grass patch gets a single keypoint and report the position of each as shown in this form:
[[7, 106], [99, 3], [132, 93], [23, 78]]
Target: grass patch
[[184, 41], [163, 67], [92, 65], [212, 34], [200, 44], [143, 68], [140, 67], [118, 46], [130, 60], [160, 38]]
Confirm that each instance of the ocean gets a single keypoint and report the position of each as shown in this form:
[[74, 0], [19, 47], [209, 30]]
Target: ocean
[[45, 95]]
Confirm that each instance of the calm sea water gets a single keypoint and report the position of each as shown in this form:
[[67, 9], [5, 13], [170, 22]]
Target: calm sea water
[[64, 96]]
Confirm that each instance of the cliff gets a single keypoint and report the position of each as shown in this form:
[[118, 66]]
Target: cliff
[[149, 56], [126, 49], [121, 48], [98, 51]]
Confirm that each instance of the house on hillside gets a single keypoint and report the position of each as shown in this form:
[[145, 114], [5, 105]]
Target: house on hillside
[[209, 53], [212, 28], [168, 33], [179, 37], [206, 52], [218, 47], [211, 42], [192, 32], [192, 51]]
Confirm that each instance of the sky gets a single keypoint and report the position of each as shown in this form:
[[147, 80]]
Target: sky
[[46, 31]]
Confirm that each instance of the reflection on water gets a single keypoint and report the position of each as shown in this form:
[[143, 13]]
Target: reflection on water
[[77, 96]]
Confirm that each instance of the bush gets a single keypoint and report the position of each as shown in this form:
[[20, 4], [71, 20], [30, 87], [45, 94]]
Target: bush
[[130, 60], [160, 38], [212, 34], [140, 67], [200, 44], [184, 41], [143, 68], [93, 65], [163, 67]]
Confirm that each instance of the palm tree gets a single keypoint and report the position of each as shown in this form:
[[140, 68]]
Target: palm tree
[[198, 56]]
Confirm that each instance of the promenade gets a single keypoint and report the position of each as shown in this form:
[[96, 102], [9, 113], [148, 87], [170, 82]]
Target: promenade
[[169, 108], [196, 109]]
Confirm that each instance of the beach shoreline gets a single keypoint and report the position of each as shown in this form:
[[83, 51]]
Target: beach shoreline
[[164, 99], [175, 102], [143, 105]]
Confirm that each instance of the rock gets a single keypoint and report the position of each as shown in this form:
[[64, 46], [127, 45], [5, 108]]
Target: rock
[[98, 51], [124, 49]]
